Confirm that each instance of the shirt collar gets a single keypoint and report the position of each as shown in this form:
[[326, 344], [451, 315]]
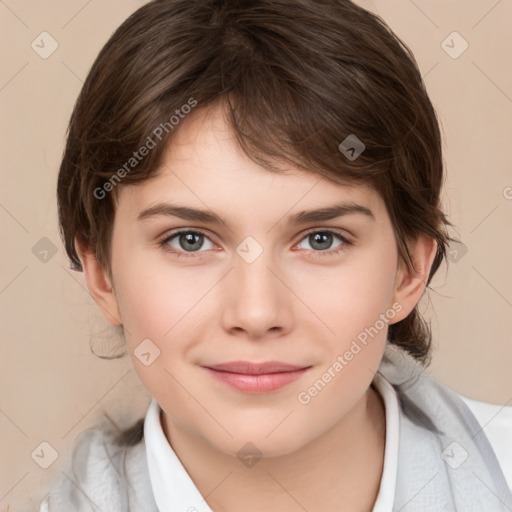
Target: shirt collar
[[386, 495], [172, 486]]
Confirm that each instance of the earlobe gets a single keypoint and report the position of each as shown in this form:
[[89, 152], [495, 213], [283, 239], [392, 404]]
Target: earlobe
[[410, 284], [99, 283]]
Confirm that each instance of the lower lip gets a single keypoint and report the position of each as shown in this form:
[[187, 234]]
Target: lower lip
[[263, 383]]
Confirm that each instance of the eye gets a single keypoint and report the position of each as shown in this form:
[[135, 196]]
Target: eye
[[321, 241], [185, 241]]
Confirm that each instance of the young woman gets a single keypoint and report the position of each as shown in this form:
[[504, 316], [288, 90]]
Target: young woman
[[252, 190]]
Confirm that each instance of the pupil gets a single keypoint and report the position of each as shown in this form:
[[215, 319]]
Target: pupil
[[324, 239], [189, 239]]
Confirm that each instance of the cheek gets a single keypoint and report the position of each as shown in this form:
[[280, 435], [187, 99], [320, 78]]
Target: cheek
[[159, 306], [356, 306], [154, 297], [349, 298]]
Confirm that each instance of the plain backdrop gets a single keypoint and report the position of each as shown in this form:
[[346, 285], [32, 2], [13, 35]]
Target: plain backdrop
[[53, 386]]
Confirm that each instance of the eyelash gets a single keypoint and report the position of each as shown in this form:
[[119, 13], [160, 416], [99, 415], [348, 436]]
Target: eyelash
[[163, 243]]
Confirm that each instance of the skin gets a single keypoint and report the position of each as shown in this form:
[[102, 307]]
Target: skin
[[212, 306]]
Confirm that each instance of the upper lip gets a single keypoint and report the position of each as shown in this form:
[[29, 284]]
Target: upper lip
[[249, 368]]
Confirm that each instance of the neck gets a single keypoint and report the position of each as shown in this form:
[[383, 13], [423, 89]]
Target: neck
[[341, 470]]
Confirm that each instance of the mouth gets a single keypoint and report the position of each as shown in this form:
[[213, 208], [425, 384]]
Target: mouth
[[256, 377]]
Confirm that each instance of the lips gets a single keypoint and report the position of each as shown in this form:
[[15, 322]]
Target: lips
[[255, 368], [256, 377]]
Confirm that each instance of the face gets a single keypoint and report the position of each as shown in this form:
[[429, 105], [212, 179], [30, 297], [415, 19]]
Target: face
[[251, 281]]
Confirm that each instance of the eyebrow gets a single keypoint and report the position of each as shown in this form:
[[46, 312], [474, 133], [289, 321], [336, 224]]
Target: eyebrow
[[208, 217]]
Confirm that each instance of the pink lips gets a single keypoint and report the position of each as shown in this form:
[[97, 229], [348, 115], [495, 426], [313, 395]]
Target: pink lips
[[256, 377]]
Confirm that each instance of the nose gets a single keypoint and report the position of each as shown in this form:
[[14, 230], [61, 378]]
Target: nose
[[257, 303]]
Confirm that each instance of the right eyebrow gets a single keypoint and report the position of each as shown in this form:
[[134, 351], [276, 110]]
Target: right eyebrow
[[182, 212]]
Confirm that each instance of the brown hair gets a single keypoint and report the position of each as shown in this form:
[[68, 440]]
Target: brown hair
[[296, 78]]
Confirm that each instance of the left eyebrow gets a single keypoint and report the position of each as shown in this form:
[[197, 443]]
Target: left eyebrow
[[330, 213], [208, 217]]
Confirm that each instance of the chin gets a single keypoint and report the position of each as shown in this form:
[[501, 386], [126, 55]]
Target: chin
[[259, 443]]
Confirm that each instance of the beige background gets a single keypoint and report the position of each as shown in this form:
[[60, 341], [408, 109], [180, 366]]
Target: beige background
[[53, 387]]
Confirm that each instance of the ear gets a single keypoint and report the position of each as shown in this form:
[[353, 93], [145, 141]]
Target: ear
[[99, 283], [410, 285]]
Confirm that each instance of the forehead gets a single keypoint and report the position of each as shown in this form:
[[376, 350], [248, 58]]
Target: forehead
[[205, 167]]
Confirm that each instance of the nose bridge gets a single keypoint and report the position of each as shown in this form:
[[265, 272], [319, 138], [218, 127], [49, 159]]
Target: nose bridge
[[257, 298]]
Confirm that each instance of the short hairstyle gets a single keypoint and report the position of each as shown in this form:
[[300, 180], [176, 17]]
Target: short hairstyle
[[295, 78]]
